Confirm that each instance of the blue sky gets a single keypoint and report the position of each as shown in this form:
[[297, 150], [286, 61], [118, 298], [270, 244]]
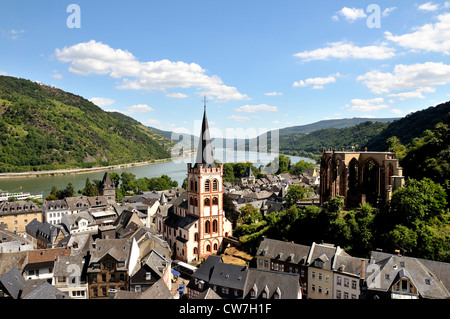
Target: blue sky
[[261, 64]]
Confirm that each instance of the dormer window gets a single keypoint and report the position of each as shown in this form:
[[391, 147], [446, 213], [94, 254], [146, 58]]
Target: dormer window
[[318, 264]]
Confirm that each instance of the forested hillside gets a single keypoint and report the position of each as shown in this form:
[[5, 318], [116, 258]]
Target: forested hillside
[[43, 128]]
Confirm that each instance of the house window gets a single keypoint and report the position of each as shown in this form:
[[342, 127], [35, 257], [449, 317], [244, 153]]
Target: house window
[[196, 236], [313, 274], [353, 284], [346, 282], [208, 248], [224, 290], [252, 293], [148, 276], [313, 287], [339, 280], [320, 276], [345, 295], [137, 288], [320, 289], [327, 291], [338, 294]]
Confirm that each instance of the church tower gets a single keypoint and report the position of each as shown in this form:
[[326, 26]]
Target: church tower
[[108, 189], [205, 197]]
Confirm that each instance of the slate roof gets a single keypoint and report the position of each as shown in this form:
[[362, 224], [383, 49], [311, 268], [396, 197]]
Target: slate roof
[[13, 282], [208, 294], [324, 253], [349, 265], [119, 249], [285, 284], [158, 290], [65, 266], [284, 251], [390, 268], [18, 207], [46, 291]]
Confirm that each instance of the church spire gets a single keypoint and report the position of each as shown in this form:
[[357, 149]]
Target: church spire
[[204, 150]]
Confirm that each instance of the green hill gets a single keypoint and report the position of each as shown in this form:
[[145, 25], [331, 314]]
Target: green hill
[[42, 128], [311, 145], [411, 126], [326, 124]]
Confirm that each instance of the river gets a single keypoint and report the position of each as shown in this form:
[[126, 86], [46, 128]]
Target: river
[[176, 170]]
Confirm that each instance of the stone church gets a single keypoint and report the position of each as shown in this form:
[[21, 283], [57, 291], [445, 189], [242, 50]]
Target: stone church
[[359, 177], [195, 225]]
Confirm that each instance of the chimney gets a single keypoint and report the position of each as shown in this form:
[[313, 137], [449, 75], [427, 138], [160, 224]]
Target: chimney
[[363, 269]]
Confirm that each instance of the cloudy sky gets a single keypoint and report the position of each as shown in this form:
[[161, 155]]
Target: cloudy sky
[[261, 64]]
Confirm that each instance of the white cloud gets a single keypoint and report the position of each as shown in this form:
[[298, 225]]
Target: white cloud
[[388, 11], [97, 58], [367, 105], [417, 94], [238, 118], [396, 111], [3, 72], [429, 6], [428, 38], [343, 50], [406, 77], [177, 95], [317, 83], [139, 108], [12, 34], [257, 108], [273, 93], [350, 14], [102, 101]]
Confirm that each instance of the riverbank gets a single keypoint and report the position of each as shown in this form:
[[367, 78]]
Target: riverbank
[[74, 171]]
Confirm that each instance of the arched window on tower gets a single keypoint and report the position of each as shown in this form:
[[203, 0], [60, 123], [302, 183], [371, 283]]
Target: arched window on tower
[[214, 226], [195, 186], [215, 185], [192, 186], [215, 247], [195, 202], [215, 201], [207, 185], [196, 236], [207, 227], [207, 201], [191, 201]]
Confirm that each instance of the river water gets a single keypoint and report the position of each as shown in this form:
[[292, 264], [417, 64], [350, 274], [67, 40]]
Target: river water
[[176, 170]]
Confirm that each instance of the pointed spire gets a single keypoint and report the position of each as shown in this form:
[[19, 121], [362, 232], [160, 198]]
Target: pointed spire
[[204, 150]]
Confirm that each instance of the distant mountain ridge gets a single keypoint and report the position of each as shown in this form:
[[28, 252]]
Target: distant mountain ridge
[[45, 128], [332, 123]]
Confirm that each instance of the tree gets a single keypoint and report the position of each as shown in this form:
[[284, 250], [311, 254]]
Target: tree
[[249, 214], [299, 167], [294, 194], [421, 200], [89, 189], [335, 204], [115, 177], [393, 144]]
